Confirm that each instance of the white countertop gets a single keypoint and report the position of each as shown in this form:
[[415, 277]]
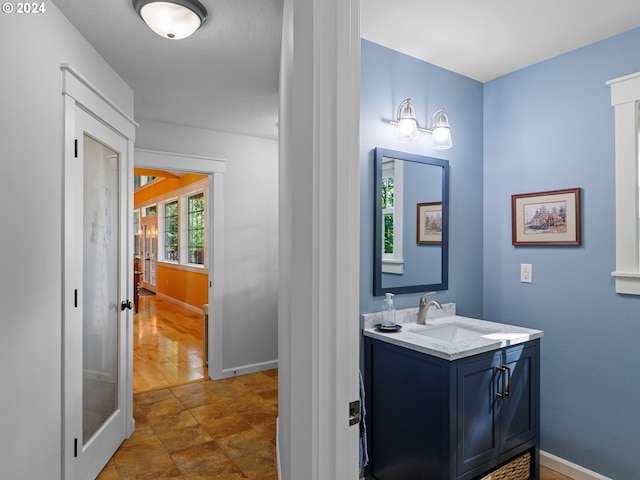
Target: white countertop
[[408, 337]]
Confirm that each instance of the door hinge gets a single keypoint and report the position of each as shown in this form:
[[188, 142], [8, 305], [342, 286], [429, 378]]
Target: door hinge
[[354, 412], [75, 148]]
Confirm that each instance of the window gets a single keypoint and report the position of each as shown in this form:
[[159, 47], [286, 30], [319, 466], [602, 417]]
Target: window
[[139, 181], [387, 215], [181, 227], [196, 229], [625, 97], [149, 211], [171, 231], [391, 201]]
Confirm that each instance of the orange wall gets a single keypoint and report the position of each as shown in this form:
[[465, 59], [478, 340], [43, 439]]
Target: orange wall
[[182, 285], [163, 187]]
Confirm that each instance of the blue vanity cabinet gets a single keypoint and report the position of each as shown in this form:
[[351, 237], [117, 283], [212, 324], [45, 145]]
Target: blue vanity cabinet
[[497, 406], [433, 419]]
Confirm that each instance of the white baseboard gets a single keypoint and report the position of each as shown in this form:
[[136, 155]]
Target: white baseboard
[[244, 369], [567, 468]]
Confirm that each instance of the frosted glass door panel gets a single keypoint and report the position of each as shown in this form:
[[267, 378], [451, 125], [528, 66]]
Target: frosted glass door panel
[[100, 278]]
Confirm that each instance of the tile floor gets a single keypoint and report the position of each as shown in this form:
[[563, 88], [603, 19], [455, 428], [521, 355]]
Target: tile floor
[[209, 430]]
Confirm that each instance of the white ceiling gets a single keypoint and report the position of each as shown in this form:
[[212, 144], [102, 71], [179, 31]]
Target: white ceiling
[[225, 77], [485, 39]]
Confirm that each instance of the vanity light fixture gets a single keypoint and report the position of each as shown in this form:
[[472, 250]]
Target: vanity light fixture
[[409, 127], [173, 19]]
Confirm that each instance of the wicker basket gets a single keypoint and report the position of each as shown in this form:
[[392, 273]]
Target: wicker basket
[[518, 469]]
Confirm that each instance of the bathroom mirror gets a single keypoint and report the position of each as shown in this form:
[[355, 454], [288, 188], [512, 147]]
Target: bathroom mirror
[[411, 219]]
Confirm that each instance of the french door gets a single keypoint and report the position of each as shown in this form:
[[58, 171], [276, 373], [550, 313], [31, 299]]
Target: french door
[[97, 306], [149, 249]]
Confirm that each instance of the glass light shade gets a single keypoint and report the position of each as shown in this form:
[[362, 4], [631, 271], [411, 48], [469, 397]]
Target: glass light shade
[[407, 122], [441, 136], [408, 127], [170, 20]]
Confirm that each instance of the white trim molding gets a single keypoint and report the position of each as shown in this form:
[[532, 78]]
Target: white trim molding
[[567, 468], [215, 168], [625, 98], [319, 220], [254, 367], [91, 99]]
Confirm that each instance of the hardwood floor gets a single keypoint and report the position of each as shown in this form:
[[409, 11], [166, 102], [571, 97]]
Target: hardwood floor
[[548, 474], [167, 345]]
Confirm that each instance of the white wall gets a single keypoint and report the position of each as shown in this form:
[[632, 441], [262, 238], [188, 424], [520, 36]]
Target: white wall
[[32, 47], [250, 296]]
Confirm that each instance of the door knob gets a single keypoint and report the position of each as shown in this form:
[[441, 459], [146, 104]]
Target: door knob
[[126, 304]]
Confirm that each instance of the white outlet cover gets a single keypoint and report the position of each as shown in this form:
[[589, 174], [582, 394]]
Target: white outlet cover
[[526, 273]]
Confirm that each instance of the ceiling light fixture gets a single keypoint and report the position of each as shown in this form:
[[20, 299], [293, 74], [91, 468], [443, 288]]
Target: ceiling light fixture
[[409, 127], [173, 19]]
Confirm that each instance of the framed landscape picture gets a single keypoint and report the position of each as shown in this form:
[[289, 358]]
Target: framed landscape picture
[[429, 223], [546, 218]]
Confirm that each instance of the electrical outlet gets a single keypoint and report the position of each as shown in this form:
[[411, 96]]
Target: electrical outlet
[[526, 273]]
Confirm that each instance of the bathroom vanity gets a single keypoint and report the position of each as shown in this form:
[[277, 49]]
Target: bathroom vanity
[[453, 399]]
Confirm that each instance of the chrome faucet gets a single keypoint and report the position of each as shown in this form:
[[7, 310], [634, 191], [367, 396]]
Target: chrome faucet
[[424, 307]]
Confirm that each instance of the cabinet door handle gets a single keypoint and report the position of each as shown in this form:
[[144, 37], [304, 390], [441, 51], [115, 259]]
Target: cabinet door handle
[[505, 373], [507, 390], [501, 392]]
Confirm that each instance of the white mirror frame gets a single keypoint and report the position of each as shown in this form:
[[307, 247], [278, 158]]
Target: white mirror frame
[[625, 97]]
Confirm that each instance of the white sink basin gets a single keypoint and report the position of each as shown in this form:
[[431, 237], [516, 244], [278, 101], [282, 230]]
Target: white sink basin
[[458, 332], [452, 332]]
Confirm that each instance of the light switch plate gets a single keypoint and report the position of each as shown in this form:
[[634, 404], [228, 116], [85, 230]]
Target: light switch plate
[[526, 273]]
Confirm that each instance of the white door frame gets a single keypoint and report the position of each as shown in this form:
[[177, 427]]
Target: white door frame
[[78, 92], [319, 245], [215, 168]]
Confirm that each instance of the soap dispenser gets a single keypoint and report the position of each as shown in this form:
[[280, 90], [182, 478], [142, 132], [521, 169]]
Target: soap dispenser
[[389, 312]]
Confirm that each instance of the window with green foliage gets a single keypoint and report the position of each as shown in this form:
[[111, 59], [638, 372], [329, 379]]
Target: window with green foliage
[[387, 215], [196, 229], [141, 180], [392, 209], [171, 231]]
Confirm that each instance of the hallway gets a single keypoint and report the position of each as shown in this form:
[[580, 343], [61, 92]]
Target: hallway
[[187, 427]]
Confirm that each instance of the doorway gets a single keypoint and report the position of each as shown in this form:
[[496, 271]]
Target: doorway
[[173, 277], [150, 161], [97, 400], [148, 248]]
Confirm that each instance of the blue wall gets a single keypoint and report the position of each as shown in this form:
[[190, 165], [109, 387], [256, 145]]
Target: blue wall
[[389, 77], [551, 127]]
